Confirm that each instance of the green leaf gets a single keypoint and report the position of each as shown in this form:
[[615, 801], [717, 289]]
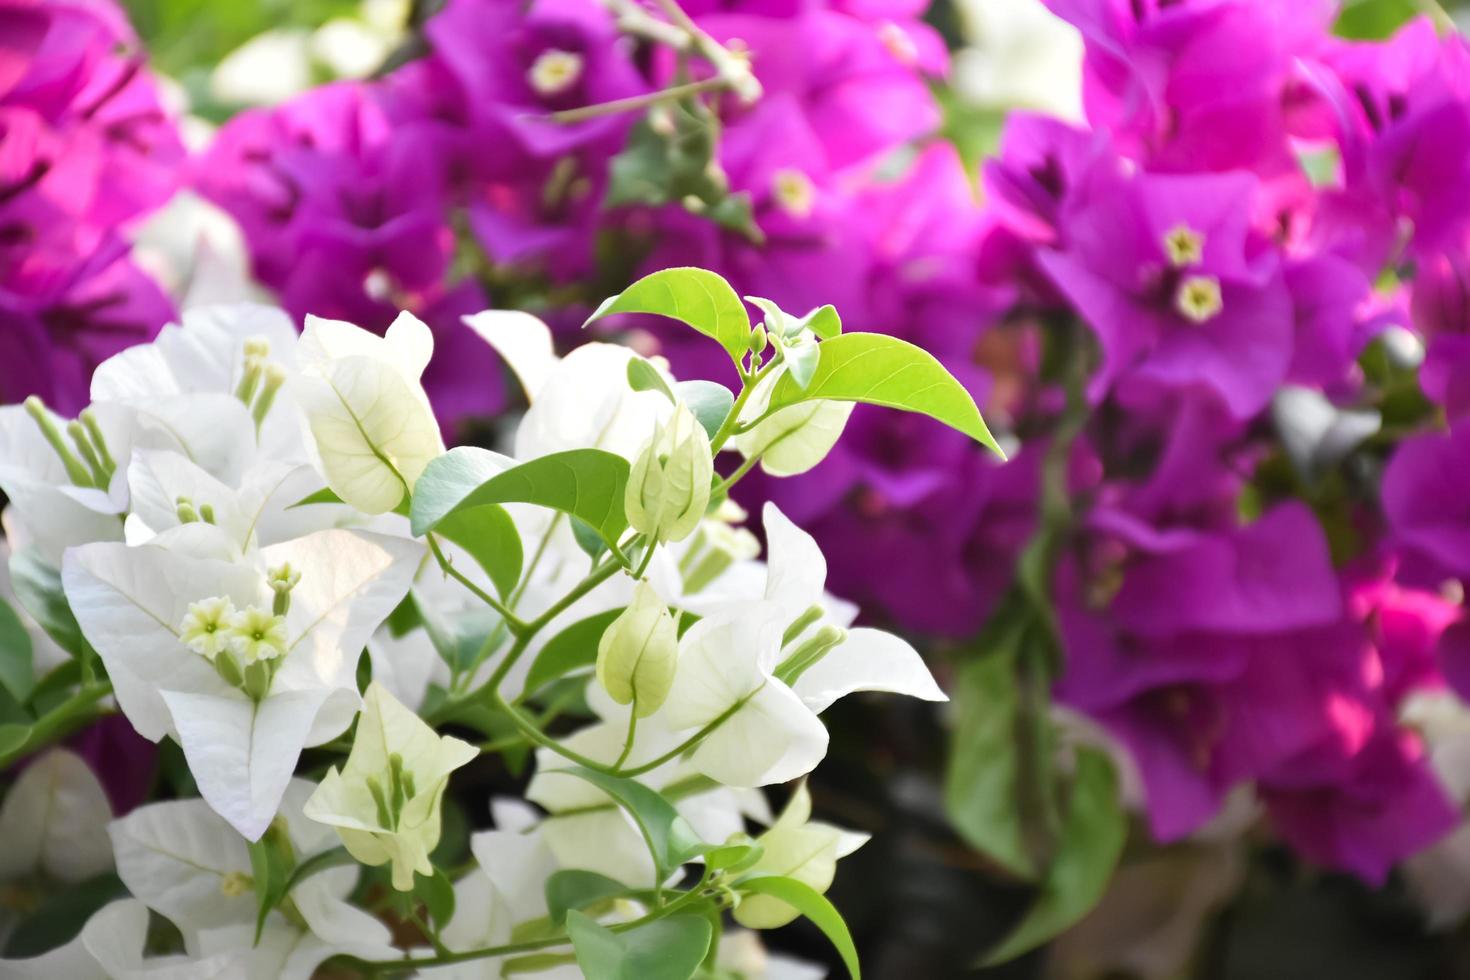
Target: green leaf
[[801, 361], [326, 495], [982, 785], [573, 647], [876, 369], [733, 858], [459, 640], [446, 481], [1092, 839], [696, 297], [12, 737], [709, 401], [673, 163], [272, 861], [536, 963], [665, 949], [60, 915], [38, 587], [490, 536], [670, 838], [437, 893], [1375, 19], [585, 483], [643, 376], [317, 863], [404, 618], [587, 538], [823, 321], [575, 889], [16, 655], [57, 686], [812, 904]]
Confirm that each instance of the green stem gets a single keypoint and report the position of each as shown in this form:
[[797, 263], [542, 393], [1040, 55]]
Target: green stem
[[524, 635], [688, 743], [647, 560], [529, 729], [512, 623], [60, 721], [748, 385], [634, 102], [723, 487], [632, 734], [443, 959]]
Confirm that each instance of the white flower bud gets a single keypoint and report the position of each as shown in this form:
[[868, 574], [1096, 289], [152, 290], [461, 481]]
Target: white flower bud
[[668, 489], [638, 652]]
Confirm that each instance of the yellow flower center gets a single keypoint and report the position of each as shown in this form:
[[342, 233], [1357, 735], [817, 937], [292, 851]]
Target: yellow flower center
[[1198, 299], [794, 192], [235, 883], [554, 71], [1184, 246]]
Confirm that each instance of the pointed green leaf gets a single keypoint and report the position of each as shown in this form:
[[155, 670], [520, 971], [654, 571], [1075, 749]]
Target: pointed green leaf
[[801, 362], [490, 536], [271, 863], [318, 862], [823, 321], [876, 369], [665, 949], [812, 904], [982, 785], [708, 400], [459, 640], [670, 838], [587, 538], [643, 376], [17, 672], [437, 893], [1092, 839], [572, 888], [696, 297], [38, 587], [735, 857], [572, 648], [12, 737], [326, 495], [585, 483]]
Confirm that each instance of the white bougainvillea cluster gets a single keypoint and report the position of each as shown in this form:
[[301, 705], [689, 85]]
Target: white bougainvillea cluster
[[254, 543]]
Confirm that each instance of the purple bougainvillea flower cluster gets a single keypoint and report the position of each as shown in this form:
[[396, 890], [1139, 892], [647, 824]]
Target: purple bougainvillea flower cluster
[[1214, 626], [86, 147]]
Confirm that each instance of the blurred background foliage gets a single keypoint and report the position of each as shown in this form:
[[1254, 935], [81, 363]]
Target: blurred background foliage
[[922, 904]]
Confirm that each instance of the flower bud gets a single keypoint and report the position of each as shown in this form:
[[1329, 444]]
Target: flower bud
[[282, 579], [638, 652], [758, 340], [386, 802], [668, 489]]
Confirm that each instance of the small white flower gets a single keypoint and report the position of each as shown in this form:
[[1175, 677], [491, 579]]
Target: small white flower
[[256, 634], [206, 628]]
